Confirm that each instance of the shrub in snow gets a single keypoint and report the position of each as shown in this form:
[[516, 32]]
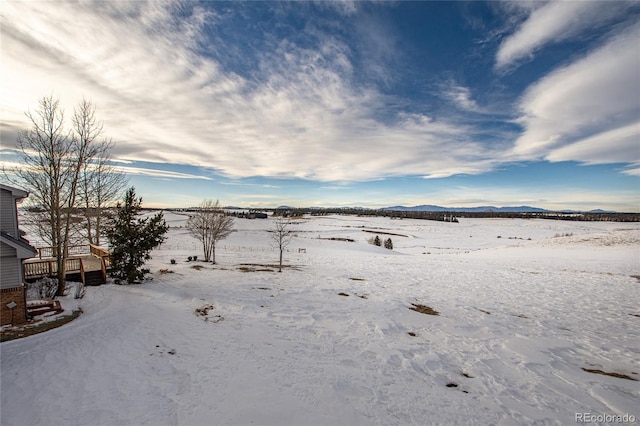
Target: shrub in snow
[[566, 234], [43, 288], [173, 261], [79, 293], [189, 259], [377, 241], [195, 258], [388, 244]]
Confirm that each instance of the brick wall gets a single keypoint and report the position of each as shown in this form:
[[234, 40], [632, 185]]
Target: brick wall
[[16, 295]]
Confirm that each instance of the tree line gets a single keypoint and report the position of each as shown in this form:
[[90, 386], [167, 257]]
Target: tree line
[[452, 216]]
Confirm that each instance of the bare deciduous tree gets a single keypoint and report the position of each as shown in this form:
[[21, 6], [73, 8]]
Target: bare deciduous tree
[[101, 183], [51, 160], [210, 224], [52, 163], [101, 186], [281, 236]]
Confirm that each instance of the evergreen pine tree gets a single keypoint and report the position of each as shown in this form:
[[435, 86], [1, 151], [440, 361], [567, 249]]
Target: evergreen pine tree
[[377, 242], [132, 238], [388, 244]]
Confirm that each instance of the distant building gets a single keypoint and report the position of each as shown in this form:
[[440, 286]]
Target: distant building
[[13, 248]]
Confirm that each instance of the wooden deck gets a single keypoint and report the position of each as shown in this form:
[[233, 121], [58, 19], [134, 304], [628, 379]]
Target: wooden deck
[[86, 261]]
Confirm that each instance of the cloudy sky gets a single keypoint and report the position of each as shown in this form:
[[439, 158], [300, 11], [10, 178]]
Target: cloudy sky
[[344, 103]]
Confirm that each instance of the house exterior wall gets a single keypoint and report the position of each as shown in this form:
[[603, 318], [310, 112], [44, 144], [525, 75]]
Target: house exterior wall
[[9, 267], [8, 213], [12, 289], [7, 251], [17, 315]]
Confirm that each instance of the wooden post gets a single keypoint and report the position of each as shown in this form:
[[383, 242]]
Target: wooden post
[[82, 272]]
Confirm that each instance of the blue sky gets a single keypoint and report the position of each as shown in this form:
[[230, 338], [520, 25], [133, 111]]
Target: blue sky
[[344, 103]]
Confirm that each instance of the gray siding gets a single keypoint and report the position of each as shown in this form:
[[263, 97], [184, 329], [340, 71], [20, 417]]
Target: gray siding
[[10, 265], [8, 215], [6, 250], [10, 272]]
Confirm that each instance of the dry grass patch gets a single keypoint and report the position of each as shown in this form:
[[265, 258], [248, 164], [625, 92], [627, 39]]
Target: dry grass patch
[[19, 332], [606, 373], [253, 269], [385, 233], [423, 309], [204, 313], [197, 267], [261, 267], [165, 271]]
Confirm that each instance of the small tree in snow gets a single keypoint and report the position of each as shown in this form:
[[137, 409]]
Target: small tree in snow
[[210, 224], [377, 241], [281, 236], [388, 244], [132, 238]]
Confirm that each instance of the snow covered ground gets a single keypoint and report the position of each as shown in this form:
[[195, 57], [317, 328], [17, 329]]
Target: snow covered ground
[[524, 307]]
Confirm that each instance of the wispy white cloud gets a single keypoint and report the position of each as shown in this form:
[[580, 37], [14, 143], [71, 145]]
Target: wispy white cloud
[[9, 164], [552, 22], [342, 187], [618, 145], [344, 7], [162, 102], [634, 171], [254, 196], [379, 48], [587, 111], [459, 95], [164, 174], [236, 183]]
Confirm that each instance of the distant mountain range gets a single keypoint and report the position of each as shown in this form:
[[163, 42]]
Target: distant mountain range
[[481, 209], [421, 208]]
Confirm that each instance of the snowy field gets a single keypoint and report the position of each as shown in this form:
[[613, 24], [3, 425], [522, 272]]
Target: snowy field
[[525, 306]]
